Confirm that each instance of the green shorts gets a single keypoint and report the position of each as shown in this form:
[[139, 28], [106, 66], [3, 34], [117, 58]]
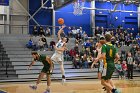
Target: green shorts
[[109, 72], [46, 70]]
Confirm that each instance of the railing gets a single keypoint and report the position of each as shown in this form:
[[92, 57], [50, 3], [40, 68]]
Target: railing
[[21, 29], [3, 60]]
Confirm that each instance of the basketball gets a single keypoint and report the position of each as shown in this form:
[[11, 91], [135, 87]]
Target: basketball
[[60, 21]]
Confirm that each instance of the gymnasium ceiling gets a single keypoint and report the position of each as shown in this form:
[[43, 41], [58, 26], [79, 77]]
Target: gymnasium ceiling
[[61, 3]]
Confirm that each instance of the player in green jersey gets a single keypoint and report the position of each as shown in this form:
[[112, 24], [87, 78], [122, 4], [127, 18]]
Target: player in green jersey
[[46, 70], [109, 52]]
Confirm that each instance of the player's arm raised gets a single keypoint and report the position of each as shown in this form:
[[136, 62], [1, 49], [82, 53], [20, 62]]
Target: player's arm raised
[[60, 31]]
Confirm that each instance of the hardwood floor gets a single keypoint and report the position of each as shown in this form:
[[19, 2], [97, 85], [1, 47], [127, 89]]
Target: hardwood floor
[[81, 86]]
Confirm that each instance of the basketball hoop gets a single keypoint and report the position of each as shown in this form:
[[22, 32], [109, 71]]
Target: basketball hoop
[[78, 7]]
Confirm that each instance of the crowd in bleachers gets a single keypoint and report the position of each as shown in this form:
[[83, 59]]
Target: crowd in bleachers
[[38, 41], [84, 52]]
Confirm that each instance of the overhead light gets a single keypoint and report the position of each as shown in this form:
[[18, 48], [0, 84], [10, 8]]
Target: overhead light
[[131, 14], [100, 12], [108, 0]]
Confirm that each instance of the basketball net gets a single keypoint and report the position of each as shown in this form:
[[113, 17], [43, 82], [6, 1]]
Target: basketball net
[[78, 7]]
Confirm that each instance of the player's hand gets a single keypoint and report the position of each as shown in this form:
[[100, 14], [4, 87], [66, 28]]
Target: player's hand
[[63, 26], [96, 60], [92, 66]]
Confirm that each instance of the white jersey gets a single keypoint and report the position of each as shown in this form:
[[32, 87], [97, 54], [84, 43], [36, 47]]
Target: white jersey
[[58, 55], [59, 44]]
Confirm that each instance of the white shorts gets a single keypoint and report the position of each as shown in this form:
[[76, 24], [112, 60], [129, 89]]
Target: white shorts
[[104, 72], [56, 57], [101, 66]]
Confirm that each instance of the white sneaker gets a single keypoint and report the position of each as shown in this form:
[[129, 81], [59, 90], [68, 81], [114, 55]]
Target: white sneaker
[[63, 81], [47, 91]]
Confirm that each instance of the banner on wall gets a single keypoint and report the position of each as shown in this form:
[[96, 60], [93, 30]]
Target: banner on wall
[[4, 2]]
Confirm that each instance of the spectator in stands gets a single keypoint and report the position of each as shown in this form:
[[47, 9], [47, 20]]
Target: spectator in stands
[[35, 31], [84, 36], [130, 62], [87, 51], [133, 50], [78, 38], [81, 32], [90, 60], [119, 70], [123, 55], [41, 31], [69, 32], [138, 36], [44, 40], [66, 56], [92, 48], [138, 41], [72, 53], [131, 38], [48, 31], [137, 57], [84, 61], [74, 31], [40, 44], [124, 68], [76, 48], [121, 39], [52, 43], [29, 44], [35, 42], [77, 62], [87, 44], [126, 40]]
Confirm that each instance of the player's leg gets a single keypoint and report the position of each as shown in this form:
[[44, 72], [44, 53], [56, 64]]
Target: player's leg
[[99, 75], [60, 59], [38, 81], [54, 58], [62, 71], [48, 83], [112, 84], [107, 79], [41, 75]]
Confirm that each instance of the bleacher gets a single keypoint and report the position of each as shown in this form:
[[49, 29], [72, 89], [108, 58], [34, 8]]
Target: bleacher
[[18, 58]]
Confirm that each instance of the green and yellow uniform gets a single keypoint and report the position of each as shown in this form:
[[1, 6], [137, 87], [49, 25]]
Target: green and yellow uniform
[[46, 68], [110, 51]]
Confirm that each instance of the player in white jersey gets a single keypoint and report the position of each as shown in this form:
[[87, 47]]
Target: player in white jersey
[[60, 47]]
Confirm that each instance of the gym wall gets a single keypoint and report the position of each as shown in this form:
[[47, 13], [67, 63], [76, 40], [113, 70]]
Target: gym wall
[[43, 17], [71, 20], [108, 19]]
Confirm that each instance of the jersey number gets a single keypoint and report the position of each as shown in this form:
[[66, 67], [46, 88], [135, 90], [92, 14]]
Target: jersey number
[[58, 45], [110, 53]]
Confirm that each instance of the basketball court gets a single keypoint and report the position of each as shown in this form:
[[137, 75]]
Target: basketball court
[[126, 86]]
